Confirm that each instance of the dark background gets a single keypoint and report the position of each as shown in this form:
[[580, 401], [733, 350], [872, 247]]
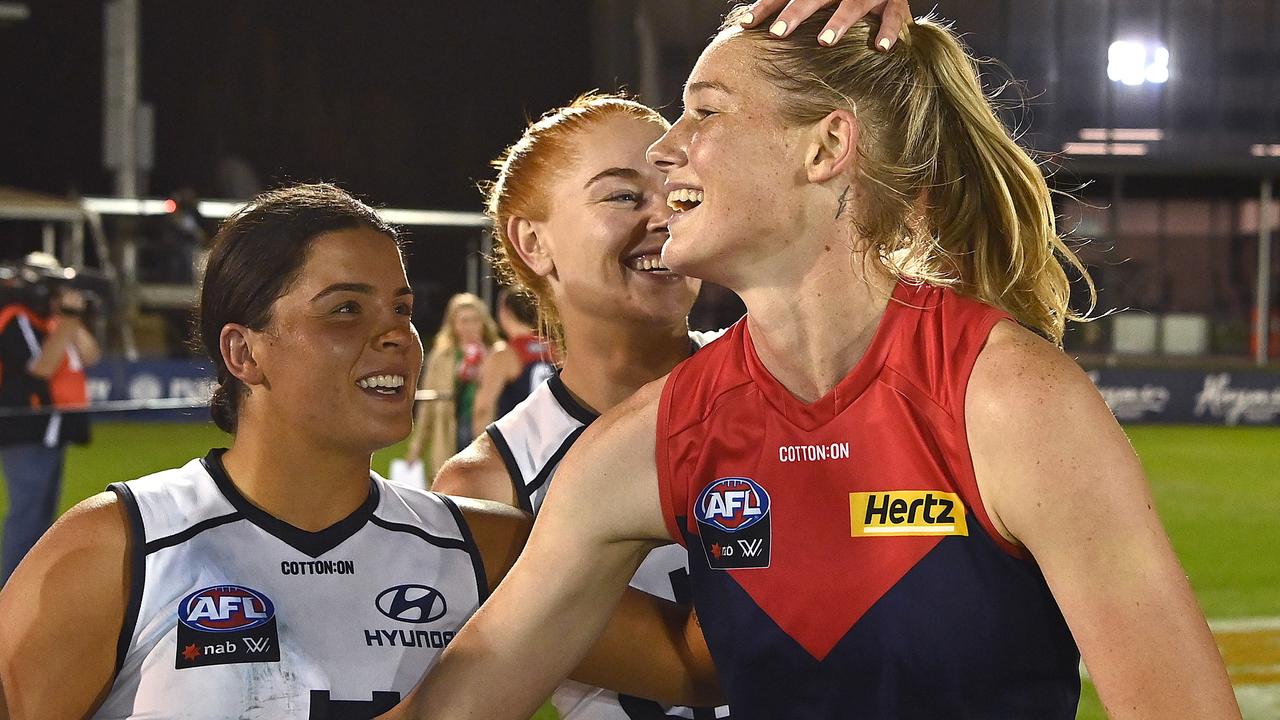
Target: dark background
[[404, 103]]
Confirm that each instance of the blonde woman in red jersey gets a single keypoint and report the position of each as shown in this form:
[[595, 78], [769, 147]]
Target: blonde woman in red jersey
[[905, 286]]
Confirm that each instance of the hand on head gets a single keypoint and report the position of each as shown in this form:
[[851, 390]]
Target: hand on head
[[893, 15]]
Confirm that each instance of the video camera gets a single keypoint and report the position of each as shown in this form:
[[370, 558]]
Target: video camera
[[35, 280]]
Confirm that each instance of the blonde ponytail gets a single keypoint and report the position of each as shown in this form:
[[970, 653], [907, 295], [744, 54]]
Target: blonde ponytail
[[951, 199]]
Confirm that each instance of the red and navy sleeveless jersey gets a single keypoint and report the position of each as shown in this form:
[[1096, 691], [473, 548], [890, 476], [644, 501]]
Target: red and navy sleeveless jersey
[[842, 563], [537, 358]]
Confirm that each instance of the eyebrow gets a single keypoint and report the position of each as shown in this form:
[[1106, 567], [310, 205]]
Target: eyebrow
[[362, 288], [619, 172], [709, 85]]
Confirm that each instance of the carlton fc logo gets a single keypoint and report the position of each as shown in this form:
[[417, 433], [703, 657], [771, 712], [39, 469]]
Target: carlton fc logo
[[412, 603], [225, 608], [733, 517]]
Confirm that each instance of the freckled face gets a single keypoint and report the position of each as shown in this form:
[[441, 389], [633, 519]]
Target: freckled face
[[731, 146], [340, 355], [606, 225]]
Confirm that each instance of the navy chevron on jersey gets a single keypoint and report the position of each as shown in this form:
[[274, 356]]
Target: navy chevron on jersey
[[234, 613], [842, 562], [532, 440]]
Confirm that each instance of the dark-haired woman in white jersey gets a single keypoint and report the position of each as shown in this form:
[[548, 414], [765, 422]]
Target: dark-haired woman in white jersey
[[279, 578]]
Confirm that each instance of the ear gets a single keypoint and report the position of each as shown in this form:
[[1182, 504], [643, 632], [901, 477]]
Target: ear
[[236, 342], [833, 146], [523, 234]]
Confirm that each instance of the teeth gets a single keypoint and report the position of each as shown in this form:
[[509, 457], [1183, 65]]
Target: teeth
[[381, 382], [684, 199], [646, 262]]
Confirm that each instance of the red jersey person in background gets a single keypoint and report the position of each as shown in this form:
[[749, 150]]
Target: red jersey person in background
[[513, 371], [44, 349]]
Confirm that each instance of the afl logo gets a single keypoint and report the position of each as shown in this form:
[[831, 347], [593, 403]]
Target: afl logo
[[732, 504], [225, 608], [412, 603]]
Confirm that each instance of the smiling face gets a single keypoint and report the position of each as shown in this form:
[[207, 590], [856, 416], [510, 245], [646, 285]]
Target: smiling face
[[339, 356], [604, 228], [734, 170]]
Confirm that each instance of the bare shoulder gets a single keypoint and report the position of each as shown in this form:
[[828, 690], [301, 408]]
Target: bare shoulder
[[1020, 375], [478, 471], [1042, 439], [92, 532], [57, 653], [500, 532], [613, 464]]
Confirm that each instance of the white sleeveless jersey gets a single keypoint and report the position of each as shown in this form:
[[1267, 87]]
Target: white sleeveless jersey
[[234, 613], [532, 439]]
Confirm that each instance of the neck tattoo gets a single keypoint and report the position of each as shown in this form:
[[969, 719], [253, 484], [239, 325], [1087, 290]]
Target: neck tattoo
[[844, 200]]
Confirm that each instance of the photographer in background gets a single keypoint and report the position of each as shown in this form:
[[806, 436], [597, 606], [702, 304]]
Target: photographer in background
[[44, 349]]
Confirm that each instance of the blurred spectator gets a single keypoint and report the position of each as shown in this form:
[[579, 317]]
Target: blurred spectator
[[442, 427], [513, 371], [171, 251], [44, 349]]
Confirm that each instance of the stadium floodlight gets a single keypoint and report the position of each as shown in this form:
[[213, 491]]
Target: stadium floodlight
[[1136, 63]]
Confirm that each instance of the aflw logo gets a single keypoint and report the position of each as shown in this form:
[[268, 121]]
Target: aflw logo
[[906, 512]]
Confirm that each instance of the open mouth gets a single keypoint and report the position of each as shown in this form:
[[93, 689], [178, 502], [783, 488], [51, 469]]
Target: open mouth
[[382, 385], [684, 199], [648, 262]]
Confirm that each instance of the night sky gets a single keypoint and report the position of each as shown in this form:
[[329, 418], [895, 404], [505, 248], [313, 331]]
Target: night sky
[[402, 103]]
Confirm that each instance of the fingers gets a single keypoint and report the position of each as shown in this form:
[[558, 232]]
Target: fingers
[[796, 12], [760, 10], [894, 13], [848, 13], [893, 16]]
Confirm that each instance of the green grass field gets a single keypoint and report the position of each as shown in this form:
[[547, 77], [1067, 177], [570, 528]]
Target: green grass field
[[1217, 490]]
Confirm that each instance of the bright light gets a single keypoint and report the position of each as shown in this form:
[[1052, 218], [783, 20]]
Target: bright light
[[1135, 63], [1122, 134], [1102, 148], [218, 209]]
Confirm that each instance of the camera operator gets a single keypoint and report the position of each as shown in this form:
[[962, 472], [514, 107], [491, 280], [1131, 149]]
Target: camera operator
[[44, 349]]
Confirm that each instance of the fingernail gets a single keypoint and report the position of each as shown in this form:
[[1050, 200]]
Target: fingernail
[[827, 37], [748, 18], [884, 44], [778, 28]]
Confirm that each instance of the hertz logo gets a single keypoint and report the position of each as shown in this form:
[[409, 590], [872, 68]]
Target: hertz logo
[[906, 512]]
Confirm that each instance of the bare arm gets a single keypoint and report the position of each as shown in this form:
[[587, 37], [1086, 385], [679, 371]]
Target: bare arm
[[557, 600], [499, 369], [1059, 477], [653, 648], [54, 349], [672, 665], [57, 650], [893, 14], [500, 532], [477, 472]]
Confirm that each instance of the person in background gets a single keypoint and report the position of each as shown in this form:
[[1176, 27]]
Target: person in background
[[515, 369], [466, 337], [44, 349]]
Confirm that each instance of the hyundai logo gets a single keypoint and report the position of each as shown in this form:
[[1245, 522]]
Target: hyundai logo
[[411, 603]]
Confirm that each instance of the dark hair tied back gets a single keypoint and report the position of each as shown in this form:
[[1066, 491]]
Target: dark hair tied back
[[255, 258]]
